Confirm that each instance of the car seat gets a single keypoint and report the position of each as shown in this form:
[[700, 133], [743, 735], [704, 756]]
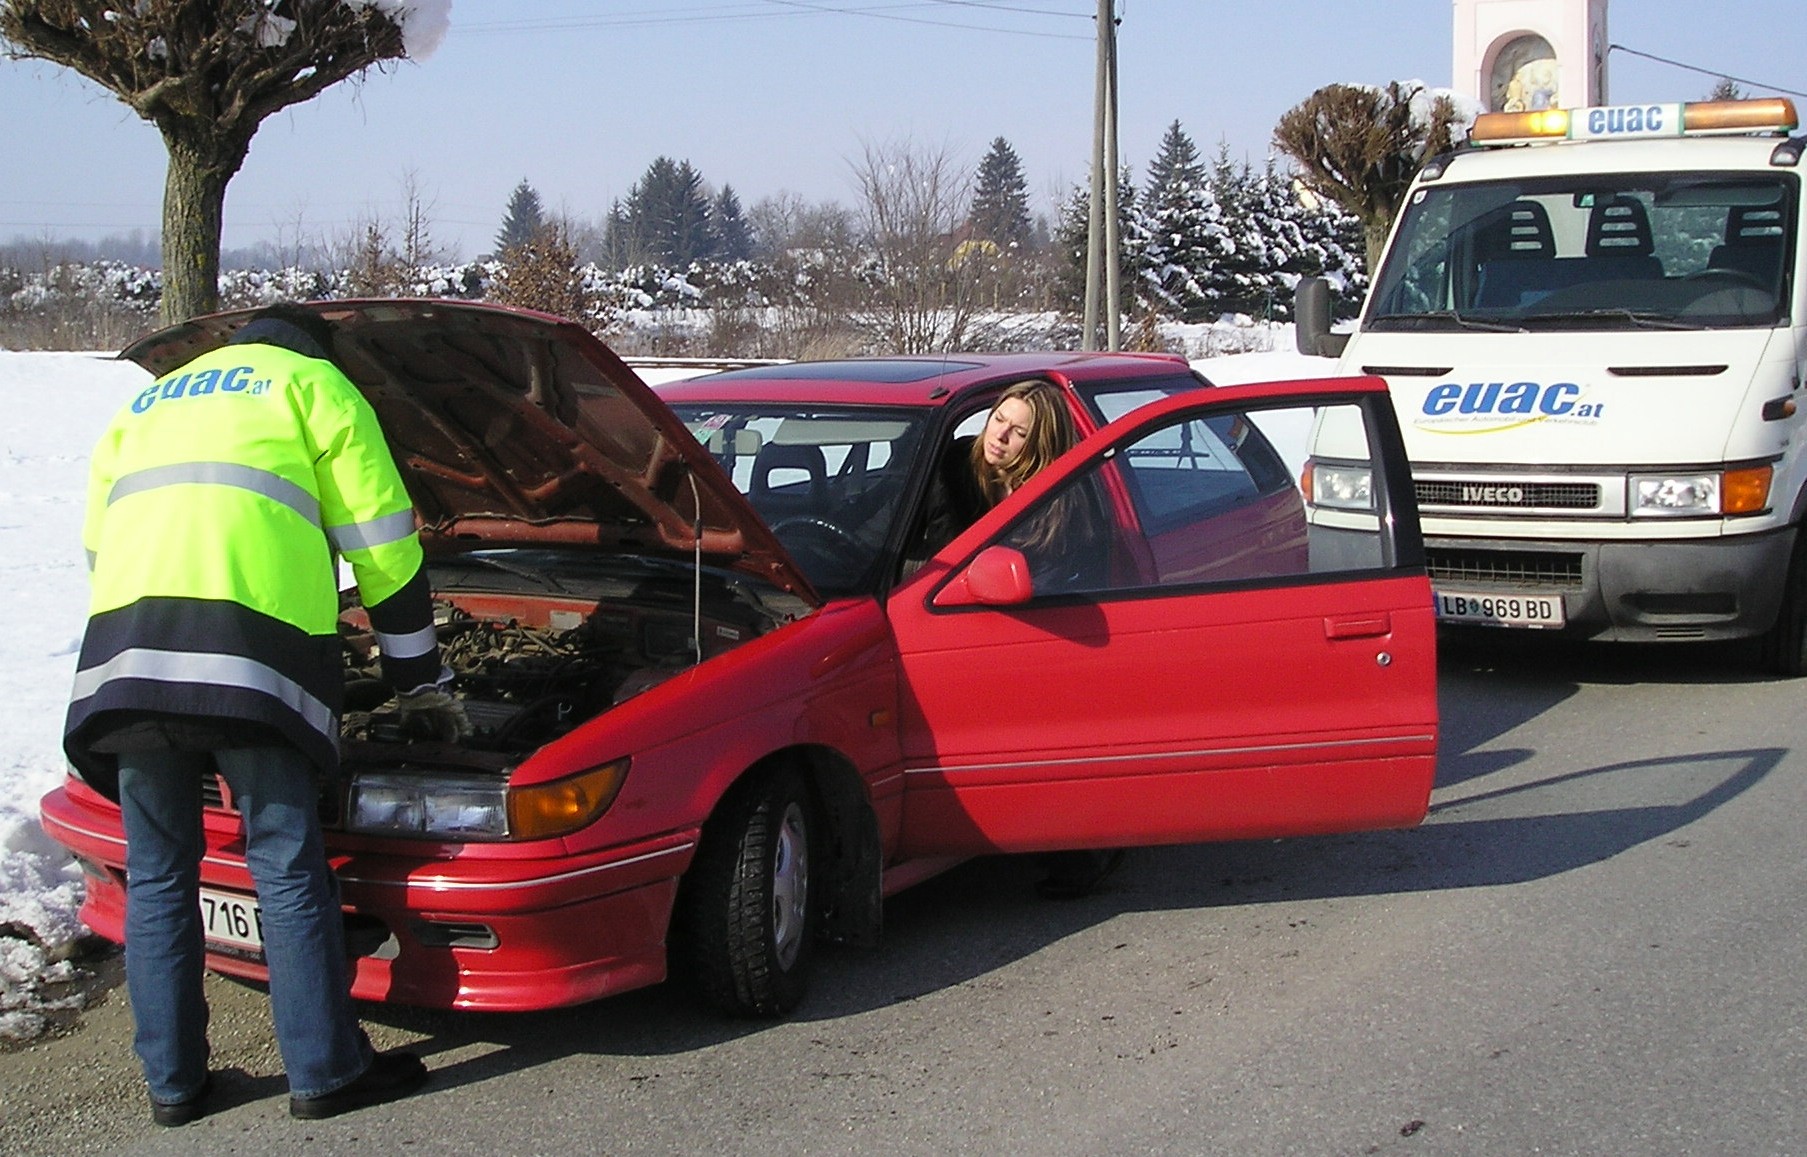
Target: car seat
[[789, 479], [1619, 242], [1753, 243], [1513, 246]]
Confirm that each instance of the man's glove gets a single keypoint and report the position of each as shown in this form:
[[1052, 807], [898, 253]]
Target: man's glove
[[430, 711]]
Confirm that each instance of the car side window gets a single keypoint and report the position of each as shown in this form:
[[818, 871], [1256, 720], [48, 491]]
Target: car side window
[[1203, 499]]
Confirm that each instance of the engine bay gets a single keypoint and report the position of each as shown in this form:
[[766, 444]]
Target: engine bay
[[535, 650]]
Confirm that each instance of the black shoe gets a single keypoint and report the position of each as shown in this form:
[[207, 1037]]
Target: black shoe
[[182, 1112], [390, 1077], [1075, 874]]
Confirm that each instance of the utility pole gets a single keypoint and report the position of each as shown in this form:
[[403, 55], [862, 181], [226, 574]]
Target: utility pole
[[1103, 264]]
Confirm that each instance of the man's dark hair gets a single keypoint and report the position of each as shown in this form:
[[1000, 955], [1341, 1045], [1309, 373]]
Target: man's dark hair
[[290, 326]]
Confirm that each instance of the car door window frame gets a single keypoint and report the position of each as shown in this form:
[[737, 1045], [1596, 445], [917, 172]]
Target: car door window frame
[[1400, 543]]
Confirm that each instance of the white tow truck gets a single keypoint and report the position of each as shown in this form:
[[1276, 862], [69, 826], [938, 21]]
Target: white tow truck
[[1593, 323]]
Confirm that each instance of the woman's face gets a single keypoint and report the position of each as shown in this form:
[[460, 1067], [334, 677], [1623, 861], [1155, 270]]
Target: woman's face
[[1007, 431]]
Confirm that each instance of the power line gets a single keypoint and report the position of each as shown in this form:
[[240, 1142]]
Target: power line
[[1704, 71], [762, 10], [1012, 8], [880, 15]]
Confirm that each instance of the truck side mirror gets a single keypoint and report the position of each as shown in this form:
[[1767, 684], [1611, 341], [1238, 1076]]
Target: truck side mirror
[[1311, 320]]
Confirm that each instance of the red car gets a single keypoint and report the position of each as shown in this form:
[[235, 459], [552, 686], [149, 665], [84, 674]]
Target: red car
[[725, 703]]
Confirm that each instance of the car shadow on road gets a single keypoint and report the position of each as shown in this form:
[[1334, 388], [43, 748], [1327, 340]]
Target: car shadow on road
[[1489, 826]]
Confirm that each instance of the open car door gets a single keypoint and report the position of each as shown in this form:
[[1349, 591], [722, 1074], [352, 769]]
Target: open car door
[[1152, 643]]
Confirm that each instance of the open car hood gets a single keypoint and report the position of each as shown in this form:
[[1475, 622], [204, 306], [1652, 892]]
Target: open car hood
[[514, 428]]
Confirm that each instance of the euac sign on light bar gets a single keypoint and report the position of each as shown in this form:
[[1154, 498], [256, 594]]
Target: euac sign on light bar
[[1635, 121]]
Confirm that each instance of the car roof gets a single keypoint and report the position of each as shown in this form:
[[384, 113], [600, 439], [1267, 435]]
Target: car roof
[[924, 380]]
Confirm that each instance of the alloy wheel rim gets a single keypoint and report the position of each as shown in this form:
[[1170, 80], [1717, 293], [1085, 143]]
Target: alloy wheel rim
[[790, 885]]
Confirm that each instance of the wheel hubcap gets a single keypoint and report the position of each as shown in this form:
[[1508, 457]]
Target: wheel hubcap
[[790, 885]]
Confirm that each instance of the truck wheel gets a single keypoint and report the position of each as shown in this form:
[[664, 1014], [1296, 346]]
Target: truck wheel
[[1784, 647], [746, 929]]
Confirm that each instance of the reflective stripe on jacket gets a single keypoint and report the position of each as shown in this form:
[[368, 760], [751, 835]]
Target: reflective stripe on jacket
[[217, 499]]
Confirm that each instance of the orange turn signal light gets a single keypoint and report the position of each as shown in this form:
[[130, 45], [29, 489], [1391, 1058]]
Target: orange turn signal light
[[546, 810], [1745, 491]]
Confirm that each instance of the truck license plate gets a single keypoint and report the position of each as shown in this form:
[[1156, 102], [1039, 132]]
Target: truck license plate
[[232, 920], [1495, 610]]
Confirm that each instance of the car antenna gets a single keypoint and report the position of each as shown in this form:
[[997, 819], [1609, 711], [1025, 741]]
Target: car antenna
[[940, 390]]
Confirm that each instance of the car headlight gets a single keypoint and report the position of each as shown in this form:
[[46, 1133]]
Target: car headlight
[[1742, 491], [452, 806], [430, 804], [1340, 487]]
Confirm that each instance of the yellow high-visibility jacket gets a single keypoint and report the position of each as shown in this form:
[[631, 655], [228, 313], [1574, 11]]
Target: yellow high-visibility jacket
[[218, 501]]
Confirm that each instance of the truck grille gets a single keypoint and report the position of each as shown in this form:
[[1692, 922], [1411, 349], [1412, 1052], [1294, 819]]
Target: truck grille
[[1508, 495], [1526, 568]]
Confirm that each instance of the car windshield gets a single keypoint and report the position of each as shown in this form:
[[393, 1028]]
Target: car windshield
[[828, 480], [1629, 251]]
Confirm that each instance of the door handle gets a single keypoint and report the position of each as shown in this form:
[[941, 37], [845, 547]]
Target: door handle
[[1358, 626]]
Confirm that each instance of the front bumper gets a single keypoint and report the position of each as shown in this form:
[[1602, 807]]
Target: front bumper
[[507, 934], [1632, 591]]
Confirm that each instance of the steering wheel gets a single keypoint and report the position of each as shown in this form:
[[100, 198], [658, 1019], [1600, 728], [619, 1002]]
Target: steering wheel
[[1739, 276], [841, 536]]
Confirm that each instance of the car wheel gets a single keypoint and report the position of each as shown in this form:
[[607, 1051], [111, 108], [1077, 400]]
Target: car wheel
[[746, 924], [1784, 647]]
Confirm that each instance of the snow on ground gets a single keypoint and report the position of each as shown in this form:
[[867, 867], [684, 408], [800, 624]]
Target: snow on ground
[[56, 406]]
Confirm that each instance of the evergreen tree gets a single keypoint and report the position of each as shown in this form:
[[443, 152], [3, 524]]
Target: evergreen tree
[[1000, 212], [1070, 236], [1240, 280], [666, 216], [1336, 241], [1185, 232], [523, 219], [1282, 232], [733, 236]]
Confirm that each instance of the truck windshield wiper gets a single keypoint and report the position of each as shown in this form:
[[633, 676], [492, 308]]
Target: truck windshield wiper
[[1464, 320], [1642, 319]]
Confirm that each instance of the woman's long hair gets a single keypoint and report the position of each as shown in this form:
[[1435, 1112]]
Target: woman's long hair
[[1051, 434]]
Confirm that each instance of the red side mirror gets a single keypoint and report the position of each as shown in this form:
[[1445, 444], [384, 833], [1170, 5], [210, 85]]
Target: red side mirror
[[998, 577]]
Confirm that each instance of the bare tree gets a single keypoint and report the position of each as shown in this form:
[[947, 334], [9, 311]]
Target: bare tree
[[913, 206], [206, 74], [1361, 146], [541, 273]]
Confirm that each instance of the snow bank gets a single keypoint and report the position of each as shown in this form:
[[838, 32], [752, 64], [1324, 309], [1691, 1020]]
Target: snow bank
[[56, 406]]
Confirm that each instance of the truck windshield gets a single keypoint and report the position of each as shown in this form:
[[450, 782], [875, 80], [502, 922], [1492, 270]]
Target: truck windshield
[[1619, 251]]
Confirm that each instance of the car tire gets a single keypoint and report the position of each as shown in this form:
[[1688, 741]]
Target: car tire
[[1783, 649], [746, 921]]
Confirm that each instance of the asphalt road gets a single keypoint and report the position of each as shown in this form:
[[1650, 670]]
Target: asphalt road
[[1593, 946]]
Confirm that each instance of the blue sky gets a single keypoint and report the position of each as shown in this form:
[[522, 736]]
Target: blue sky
[[577, 96]]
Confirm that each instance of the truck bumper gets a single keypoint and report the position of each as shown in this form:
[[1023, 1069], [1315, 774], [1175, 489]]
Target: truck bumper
[[1634, 591]]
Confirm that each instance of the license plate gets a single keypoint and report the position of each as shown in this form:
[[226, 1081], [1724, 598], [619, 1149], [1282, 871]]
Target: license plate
[[232, 920], [1495, 610]]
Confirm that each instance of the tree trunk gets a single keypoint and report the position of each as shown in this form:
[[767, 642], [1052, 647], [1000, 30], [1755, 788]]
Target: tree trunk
[[1374, 239], [194, 202]]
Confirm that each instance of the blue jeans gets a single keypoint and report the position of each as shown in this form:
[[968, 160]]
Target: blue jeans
[[323, 1046]]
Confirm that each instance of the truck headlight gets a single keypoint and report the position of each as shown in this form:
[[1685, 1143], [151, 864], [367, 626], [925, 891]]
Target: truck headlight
[[1742, 491], [452, 806], [1339, 487]]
